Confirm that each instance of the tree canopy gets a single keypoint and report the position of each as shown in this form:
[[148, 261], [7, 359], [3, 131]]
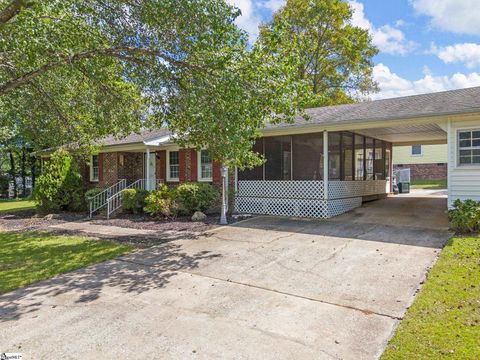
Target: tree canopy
[[335, 57], [75, 71]]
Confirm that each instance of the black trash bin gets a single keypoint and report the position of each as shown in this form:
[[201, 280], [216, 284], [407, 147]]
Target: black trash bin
[[404, 187]]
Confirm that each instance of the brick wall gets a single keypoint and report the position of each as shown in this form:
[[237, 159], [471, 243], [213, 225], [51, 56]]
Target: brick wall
[[425, 171], [161, 164]]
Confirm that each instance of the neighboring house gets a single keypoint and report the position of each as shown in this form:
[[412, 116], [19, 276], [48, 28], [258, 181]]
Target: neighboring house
[[321, 167], [426, 162]]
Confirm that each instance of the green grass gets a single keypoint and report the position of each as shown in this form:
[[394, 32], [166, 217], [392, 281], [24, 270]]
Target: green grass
[[444, 320], [429, 184], [15, 205], [29, 257]]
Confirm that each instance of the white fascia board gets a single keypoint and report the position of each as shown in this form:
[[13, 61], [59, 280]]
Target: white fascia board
[[164, 140]]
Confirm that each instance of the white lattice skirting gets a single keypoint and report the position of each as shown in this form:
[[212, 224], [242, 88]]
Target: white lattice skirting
[[303, 198]]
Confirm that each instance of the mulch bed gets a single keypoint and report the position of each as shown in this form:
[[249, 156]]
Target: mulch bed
[[181, 228]]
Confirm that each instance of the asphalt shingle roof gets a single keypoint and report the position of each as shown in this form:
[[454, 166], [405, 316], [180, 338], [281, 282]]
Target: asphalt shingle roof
[[408, 107]]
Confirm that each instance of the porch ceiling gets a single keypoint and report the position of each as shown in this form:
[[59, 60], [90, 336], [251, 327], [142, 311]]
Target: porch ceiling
[[408, 134]]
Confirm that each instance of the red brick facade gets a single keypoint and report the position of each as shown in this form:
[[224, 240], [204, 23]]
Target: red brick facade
[[426, 171], [129, 165]]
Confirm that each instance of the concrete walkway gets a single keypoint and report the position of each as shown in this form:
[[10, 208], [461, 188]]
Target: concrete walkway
[[266, 288]]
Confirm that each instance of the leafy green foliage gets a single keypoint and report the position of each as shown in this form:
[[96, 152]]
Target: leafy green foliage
[[161, 203], [196, 197], [443, 322], [465, 216], [75, 71], [334, 57], [31, 257], [4, 181], [134, 200], [91, 193], [60, 187]]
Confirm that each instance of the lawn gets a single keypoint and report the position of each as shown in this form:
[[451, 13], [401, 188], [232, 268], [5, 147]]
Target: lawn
[[444, 320], [15, 205], [29, 257], [429, 184]]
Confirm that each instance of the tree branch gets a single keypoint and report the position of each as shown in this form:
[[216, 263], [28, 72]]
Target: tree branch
[[12, 10], [114, 52]]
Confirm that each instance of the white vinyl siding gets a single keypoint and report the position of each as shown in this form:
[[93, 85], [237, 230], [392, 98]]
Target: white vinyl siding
[[463, 179]]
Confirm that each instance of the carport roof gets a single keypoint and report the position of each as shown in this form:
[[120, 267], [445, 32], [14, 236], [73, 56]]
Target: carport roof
[[444, 103]]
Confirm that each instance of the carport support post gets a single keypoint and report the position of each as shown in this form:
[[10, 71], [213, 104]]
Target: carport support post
[[325, 165]]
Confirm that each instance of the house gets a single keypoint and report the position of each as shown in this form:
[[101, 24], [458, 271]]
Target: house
[[321, 167], [426, 162]]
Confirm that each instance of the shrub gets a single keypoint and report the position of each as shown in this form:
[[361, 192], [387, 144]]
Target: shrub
[[465, 216], [4, 181], [60, 186], [196, 196], [161, 203], [134, 200], [92, 193]]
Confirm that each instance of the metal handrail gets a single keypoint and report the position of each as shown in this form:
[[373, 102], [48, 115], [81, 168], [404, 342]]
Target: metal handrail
[[99, 201], [115, 202]]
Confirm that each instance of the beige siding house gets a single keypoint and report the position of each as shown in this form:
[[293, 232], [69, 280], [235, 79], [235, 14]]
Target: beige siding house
[[426, 162]]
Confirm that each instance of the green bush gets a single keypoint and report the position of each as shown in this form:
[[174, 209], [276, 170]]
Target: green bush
[[92, 193], [60, 186], [161, 203], [465, 216], [134, 200], [4, 181], [196, 197]]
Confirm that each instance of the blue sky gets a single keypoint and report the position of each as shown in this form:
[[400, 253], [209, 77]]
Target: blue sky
[[425, 45]]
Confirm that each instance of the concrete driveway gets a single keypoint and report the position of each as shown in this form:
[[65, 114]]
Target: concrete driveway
[[266, 288]]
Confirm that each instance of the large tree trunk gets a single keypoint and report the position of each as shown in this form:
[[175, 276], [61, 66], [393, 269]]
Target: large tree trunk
[[13, 173]]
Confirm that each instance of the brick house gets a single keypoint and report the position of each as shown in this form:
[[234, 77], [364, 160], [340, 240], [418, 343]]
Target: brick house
[[426, 162], [318, 167]]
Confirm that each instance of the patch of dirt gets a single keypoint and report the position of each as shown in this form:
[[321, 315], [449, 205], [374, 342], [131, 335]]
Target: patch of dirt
[[27, 220]]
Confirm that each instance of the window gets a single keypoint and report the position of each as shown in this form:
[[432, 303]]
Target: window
[[469, 147], [205, 166], [94, 168], [173, 166], [379, 163], [334, 162], [255, 173], [347, 150], [417, 150], [369, 158]]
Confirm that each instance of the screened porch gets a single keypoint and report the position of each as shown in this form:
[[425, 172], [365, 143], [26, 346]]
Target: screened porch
[[321, 174]]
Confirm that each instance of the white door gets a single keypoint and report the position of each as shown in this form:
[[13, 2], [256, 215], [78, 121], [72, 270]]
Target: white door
[[151, 167]]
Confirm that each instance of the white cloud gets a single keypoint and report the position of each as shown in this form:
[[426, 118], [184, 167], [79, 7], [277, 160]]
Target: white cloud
[[467, 53], [392, 85], [387, 38], [251, 17], [458, 16]]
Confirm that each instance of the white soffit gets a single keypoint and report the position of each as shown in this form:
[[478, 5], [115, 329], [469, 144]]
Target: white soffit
[[407, 133], [158, 141]]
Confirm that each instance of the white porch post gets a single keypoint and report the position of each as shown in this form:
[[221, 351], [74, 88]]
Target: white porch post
[[223, 215], [147, 170], [325, 165]]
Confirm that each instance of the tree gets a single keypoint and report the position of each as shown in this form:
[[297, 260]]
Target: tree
[[335, 56], [74, 71]]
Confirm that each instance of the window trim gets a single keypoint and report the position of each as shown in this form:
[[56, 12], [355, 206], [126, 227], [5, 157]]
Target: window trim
[[199, 167], [416, 155], [92, 179], [167, 164], [457, 149]]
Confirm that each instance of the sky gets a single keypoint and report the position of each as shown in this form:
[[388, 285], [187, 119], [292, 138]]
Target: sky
[[424, 45]]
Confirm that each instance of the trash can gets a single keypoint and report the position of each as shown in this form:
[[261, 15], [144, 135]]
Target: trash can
[[404, 187]]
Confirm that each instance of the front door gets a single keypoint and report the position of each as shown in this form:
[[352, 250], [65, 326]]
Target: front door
[[151, 167]]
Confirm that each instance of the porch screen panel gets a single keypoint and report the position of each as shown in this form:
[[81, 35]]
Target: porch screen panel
[[278, 155], [379, 161], [347, 154], [334, 156], [359, 157], [255, 173], [307, 157], [369, 153]]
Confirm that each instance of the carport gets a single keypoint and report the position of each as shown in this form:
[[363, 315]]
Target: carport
[[340, 157]]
